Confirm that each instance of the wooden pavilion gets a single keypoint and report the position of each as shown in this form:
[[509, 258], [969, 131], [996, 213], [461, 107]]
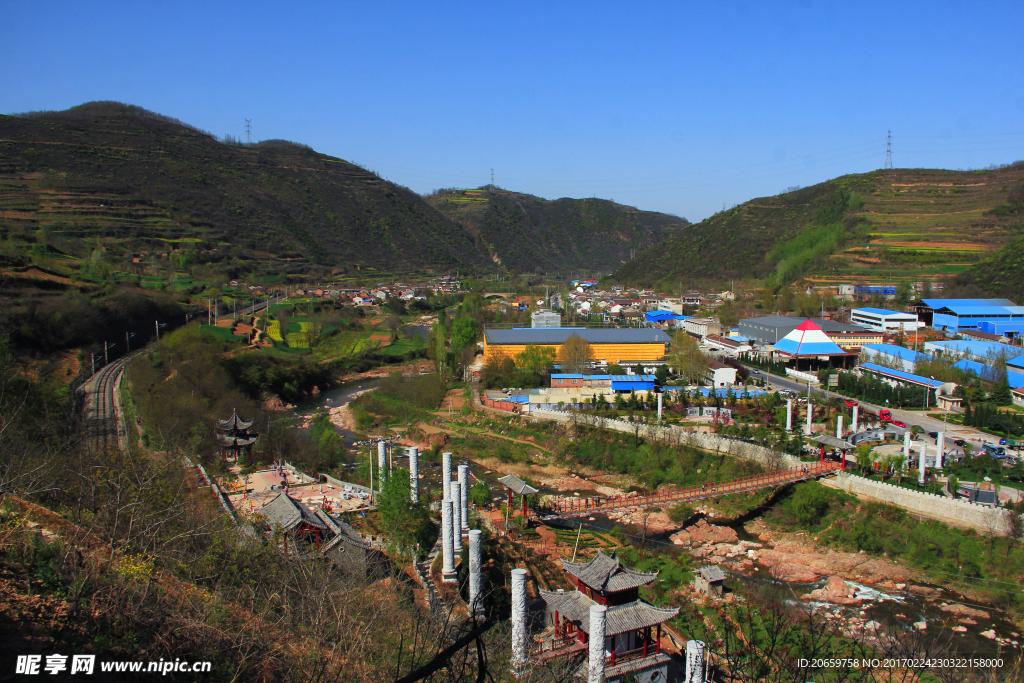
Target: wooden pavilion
[[234, 435], [633, 631], [516, 485]]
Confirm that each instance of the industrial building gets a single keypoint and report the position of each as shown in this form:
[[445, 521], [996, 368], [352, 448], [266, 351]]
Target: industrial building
[[950, 315], [883, 320], [607, 345], [891, 355], [773, 328]]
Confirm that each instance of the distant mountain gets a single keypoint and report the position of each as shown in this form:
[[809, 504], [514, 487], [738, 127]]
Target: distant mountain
[[530, 234], [130, 180], [902, 224]]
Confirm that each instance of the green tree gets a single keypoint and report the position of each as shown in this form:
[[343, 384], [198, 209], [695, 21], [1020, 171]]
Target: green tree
[[616, 369], [1001, 395], [405, 523], [535, 359], [687, 358], [465, 331]]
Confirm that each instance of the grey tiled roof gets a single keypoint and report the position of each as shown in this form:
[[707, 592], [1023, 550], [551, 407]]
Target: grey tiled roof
[[607, 574], [288, 514], [234, 422], [631, 616], [517, 485], [712, 573]]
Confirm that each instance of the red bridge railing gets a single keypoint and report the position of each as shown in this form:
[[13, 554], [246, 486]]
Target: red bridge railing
[[672, 494]]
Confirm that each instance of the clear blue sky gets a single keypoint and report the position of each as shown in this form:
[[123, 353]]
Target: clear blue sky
[[676, 107]]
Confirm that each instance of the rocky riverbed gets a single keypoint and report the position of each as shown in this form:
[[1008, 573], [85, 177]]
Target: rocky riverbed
[[857, 588]]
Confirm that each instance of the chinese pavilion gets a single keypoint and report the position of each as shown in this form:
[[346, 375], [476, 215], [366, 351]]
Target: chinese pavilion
[[234, 435], [633, 627], [516, 485]]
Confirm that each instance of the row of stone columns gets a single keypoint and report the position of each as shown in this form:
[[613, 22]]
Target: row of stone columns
[[454, 516]]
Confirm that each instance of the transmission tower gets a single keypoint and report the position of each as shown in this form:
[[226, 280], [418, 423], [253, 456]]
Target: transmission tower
[[492, 178], [888, 150], [248, 131]]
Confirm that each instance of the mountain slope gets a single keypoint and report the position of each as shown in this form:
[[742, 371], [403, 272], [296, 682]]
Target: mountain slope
[[884, 225], [531, 234], [139, 181]]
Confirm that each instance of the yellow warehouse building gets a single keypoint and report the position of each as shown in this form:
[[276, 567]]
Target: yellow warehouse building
[[607, 345]]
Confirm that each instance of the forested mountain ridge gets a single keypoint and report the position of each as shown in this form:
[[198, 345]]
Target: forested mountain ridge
[[139, 181], [885, 226], [531, 234]]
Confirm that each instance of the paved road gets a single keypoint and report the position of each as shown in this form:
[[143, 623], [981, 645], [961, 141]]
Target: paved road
[[909, 417]]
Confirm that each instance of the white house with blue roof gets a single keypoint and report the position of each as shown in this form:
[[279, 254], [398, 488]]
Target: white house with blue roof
[[900, 378], [981, 351], [987, 372], [884, 320], [952, 315]]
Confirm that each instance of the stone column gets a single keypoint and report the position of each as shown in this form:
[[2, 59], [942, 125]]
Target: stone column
[[789, 414], [694, 661], [446, 474], [659, 407], [447, 543], [595, 665], [456, 517], [464, 492], [810, 415], [940, 450], [839, 427], [382, 463], [906, 447], [518, 621], [920, 462], [414, 474], [854, 426], [474, 573]]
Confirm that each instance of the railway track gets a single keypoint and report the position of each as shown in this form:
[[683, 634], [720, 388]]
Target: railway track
[[101, 412]]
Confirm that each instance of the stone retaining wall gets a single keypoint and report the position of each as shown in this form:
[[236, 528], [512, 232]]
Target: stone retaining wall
[[958, 512], [772, 460]]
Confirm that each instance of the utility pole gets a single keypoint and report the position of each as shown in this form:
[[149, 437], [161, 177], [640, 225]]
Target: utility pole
[[888, 150]]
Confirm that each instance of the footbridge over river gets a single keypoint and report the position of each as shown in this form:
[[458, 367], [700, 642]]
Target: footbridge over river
[[685, 494]]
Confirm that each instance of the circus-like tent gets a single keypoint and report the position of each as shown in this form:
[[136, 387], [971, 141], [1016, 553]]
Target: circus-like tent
[[808, 341]]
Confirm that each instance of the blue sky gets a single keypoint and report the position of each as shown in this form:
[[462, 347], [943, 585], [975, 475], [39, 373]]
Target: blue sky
[[677, 107]]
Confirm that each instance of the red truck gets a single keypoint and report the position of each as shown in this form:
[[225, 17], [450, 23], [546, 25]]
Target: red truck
[[885, 415]]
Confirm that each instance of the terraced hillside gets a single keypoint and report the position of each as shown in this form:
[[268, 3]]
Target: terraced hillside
[[129, 184], [928, 223], [884, 226], [531, 234]]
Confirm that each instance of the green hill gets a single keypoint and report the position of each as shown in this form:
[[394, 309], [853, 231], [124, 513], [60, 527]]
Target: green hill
[[135, 184], [530, 234], [902, 224]]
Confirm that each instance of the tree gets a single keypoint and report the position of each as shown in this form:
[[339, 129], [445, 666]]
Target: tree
[[405, 522], [615, 369], [535, 359], [574, 354], [687, 358], [498, 371], [786, 299], [464, 332], [1001, 395]]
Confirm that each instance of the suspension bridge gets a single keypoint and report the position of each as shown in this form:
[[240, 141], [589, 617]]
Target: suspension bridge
[[685, 494]]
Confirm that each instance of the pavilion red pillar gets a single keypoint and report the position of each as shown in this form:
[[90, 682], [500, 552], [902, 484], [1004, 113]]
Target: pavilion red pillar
[[844, 460], [821, 458], [659, 640]]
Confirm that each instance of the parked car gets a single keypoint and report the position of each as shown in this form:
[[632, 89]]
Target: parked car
[[897, 423], [933, 435], [959, 442], [1002, 442], [850, 403]]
